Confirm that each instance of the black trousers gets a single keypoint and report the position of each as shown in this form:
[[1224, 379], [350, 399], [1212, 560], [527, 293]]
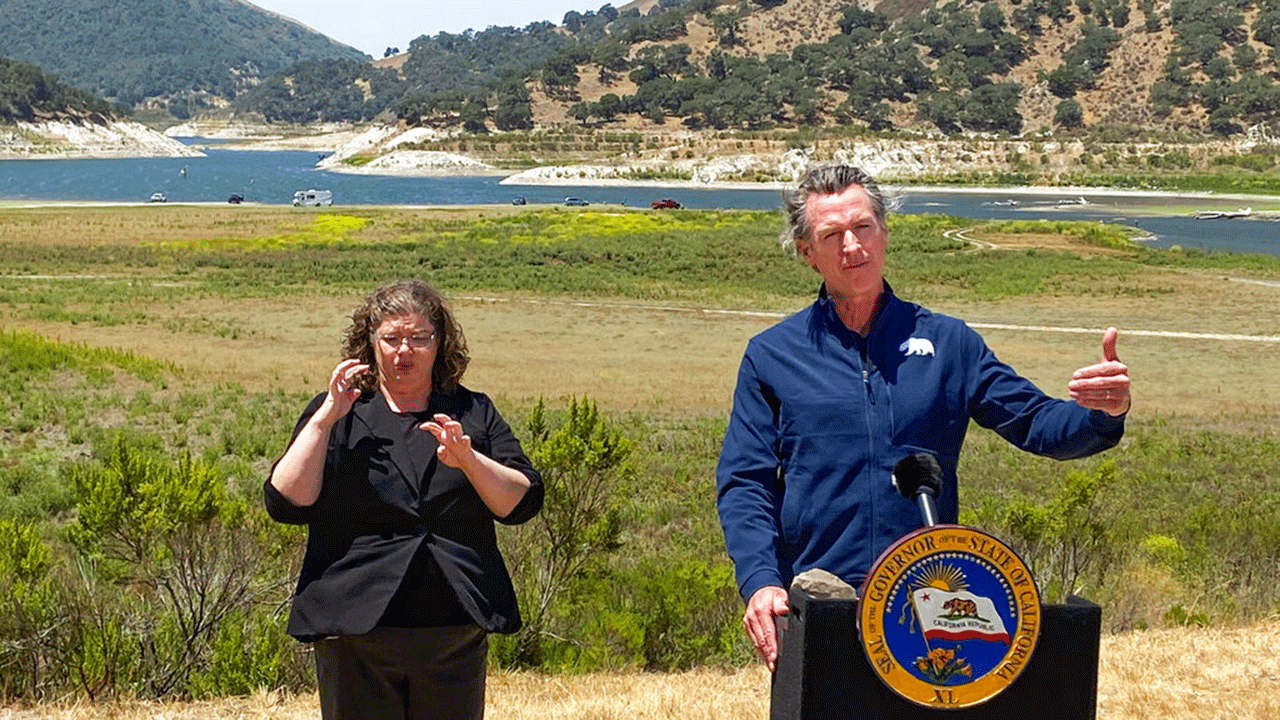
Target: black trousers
[[403, 674]]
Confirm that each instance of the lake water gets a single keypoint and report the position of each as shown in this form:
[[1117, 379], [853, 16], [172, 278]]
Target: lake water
[[271, 177]]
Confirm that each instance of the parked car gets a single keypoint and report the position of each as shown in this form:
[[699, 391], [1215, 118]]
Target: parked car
[[235, 199], [666, 204], [575, 201], [518, 200], [159, 197], [313, 198]]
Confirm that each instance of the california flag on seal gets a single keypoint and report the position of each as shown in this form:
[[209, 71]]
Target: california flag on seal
[[958, 616]]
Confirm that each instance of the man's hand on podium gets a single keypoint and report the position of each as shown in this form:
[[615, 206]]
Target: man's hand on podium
[[758, 620]]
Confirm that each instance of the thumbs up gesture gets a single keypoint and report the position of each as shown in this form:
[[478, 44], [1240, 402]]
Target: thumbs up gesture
[[1105, 385]]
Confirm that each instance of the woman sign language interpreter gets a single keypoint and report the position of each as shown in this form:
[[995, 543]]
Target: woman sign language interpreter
[[400, 474]]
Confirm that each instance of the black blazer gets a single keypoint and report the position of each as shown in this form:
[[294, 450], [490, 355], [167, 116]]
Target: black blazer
[[372, 516]]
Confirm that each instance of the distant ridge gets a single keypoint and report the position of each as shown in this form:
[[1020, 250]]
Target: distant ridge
[[1109, 68], [195, 53]]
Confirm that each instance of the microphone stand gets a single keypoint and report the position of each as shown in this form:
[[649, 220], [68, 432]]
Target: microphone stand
[[928, 508], [918, 474]]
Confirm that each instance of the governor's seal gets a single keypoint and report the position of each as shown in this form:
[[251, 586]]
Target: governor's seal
[[949, 617]]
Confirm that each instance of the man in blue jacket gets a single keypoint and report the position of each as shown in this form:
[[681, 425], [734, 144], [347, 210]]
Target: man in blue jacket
[[830, 398]]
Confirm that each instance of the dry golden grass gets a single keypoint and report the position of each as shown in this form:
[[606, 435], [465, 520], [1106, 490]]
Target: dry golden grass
[[1205, 674], [632, 356], [1178, 674], [1050, 241], [624, 356]]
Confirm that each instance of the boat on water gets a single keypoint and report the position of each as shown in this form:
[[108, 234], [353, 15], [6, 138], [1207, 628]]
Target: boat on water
[[1223, 214]]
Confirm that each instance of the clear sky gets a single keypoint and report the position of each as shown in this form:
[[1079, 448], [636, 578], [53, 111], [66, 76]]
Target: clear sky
[[375, 25]]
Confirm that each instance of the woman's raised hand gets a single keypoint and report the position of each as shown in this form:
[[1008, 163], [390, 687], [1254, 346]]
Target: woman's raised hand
[[343, 389]]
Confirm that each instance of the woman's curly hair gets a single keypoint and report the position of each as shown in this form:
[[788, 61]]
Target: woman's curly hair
[[408, 297]]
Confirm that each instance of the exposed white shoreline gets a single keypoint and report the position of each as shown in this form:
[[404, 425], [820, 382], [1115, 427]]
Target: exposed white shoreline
[[70, 140], [623, 182], [394, 158]]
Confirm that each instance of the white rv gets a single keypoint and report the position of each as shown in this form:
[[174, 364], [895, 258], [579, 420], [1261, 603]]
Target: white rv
[[312, 198]]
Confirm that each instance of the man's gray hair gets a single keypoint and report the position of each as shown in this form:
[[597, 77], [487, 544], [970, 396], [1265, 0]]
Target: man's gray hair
[[824, 179]]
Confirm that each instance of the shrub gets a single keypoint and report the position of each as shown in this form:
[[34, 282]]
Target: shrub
[[585, 466], [29, 612], [1068, 114], [1066, 541], [249, 652], [181, 557]]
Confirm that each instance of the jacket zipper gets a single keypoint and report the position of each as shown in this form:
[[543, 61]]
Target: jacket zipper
[[866, 377]]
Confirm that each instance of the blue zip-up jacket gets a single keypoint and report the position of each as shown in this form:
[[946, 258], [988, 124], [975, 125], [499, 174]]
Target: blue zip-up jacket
[[821, 415]]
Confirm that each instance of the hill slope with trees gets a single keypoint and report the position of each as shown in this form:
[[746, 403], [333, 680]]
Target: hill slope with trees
[[1199, 66], [180, 52], [27, 93]]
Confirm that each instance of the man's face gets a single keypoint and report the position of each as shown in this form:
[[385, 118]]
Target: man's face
[[848, 244]]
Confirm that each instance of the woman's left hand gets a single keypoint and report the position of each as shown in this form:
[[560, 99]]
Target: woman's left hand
[[500, 488], [455, 446]]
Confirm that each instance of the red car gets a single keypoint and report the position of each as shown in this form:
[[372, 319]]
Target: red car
[[666, 204]]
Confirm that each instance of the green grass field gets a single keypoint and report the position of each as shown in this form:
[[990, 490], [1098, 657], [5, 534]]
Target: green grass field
[[199, 332]]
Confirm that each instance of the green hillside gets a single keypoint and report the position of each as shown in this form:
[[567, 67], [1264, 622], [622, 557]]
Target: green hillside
[[28, 93], [133, 50]]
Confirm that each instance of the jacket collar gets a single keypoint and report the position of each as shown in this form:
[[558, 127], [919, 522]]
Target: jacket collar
[[830, 320]]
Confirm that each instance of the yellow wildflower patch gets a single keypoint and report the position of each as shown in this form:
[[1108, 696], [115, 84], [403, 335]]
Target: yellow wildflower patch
[[324, 229]]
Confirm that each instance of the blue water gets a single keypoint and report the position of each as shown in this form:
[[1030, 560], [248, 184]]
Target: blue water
[[271, 177], [1251, 235]]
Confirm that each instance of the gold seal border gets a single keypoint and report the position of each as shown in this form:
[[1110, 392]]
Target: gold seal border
[[906, 553]]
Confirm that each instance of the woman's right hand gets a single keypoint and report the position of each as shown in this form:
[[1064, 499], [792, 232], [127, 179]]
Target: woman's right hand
[[343, 391], [300, 471]]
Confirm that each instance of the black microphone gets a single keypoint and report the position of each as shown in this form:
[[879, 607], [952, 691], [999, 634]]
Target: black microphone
[[919, 475]]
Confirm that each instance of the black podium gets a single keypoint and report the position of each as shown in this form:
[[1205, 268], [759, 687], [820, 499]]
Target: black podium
[[822, 673]]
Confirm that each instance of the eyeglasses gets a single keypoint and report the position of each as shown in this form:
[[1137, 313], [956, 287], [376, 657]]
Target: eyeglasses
[[416, 342]]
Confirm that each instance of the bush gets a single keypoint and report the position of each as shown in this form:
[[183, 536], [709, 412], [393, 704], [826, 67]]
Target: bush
[[1066, 542], [177, 558], [249, 652], [690, 614], [1068, 114], [29, 612], [585, 466]]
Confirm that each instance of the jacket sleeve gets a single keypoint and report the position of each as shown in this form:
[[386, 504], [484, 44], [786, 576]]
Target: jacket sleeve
[[278, 506], [748, 484], [505, 448], [1021, 413]]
